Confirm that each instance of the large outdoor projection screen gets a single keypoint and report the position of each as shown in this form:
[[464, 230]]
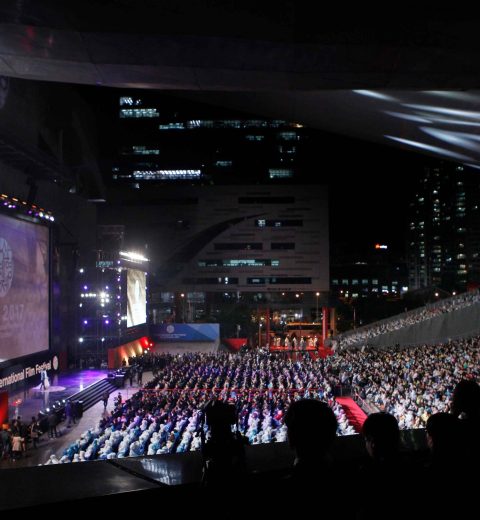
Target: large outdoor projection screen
[[136, 298], [24, 288]]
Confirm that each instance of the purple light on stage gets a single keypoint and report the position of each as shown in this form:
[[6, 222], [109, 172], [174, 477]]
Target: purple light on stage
[[118, 297], [107, 322], [85, 322], [85, 287], [106, 287]]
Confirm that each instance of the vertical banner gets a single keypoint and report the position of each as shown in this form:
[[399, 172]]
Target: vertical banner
[[324, 323], [3, 408]]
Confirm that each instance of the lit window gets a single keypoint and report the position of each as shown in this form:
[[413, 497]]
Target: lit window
[[171, 126], [137, 113], [148, 175], [280, 173], [223, 164]]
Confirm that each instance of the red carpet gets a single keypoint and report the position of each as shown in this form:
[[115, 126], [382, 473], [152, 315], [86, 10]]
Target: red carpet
[[355, 415]]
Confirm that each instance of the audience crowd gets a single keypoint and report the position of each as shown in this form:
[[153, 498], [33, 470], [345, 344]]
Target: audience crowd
[[410, 383], [364, 334], [166, 415]]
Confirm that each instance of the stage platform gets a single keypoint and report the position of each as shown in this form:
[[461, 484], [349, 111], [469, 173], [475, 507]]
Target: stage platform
[[65, 385], [28, 401]]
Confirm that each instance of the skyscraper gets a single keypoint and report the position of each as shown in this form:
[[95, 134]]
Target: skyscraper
[[444, 229]]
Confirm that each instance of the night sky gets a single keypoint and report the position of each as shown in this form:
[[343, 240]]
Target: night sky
[[370, 193]]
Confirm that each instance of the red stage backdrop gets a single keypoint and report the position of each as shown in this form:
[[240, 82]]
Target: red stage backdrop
[[235, 344], [123, 352], [3, 408]]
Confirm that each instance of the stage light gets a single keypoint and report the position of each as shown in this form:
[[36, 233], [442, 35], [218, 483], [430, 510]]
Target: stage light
[[85, 322], [85, 287], [375, 95], [81, 270], [430, 148], [107, 322], [409, 117], [48, 409], [130, 255], [80, 340]]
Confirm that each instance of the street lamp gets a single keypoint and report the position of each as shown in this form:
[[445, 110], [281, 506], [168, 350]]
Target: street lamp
[[182, 296], [316, 313]]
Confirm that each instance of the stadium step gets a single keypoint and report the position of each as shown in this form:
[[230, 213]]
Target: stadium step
[[94, 393]]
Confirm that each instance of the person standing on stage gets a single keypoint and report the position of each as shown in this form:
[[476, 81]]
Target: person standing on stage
[[43, 375]]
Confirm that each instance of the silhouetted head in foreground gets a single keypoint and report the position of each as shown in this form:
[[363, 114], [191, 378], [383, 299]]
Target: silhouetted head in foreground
[[443, 434], [312, 427], [382, 435], [224, 453], [466, 400]]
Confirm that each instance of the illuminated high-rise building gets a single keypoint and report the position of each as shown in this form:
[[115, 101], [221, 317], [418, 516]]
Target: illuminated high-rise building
[[444, 229]]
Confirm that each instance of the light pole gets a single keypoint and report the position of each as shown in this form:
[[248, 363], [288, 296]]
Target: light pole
[[316, 312], [182, 296]]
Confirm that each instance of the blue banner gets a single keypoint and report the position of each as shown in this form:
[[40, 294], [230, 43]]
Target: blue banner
[[185, 332]]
